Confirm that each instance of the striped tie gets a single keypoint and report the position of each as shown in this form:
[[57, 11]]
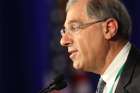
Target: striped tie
[[101, 85]]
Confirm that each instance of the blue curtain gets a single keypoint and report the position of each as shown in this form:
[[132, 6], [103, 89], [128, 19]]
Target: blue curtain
[[24, 40], [133, 8]]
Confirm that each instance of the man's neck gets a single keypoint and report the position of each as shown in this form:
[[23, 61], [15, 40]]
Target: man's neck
[[114, 49]]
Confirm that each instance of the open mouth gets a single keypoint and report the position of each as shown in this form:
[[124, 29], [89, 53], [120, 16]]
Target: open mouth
[[72, 54]]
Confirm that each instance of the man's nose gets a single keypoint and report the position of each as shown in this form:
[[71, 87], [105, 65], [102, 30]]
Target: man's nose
[[66, 40]]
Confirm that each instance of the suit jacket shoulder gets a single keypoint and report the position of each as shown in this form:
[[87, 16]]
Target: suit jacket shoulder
[[130, 79]]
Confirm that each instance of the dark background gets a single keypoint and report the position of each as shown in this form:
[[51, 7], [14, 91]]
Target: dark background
[[29, 42]]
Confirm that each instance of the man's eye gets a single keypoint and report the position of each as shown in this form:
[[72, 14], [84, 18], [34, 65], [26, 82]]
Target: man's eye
[[74, 27]]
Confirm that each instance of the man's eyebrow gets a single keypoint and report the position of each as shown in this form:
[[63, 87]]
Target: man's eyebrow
[[74, 21]]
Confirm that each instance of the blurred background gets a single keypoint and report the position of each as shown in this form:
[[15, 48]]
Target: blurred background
[[30, 54]]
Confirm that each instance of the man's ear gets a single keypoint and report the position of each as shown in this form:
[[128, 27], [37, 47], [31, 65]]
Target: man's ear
[[110, 28]]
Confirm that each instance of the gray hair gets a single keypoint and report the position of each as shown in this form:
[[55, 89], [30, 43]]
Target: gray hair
[[103, 9]]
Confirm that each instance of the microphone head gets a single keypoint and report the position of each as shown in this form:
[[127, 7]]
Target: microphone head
[[60, 85], [58, 79], [59, 82]]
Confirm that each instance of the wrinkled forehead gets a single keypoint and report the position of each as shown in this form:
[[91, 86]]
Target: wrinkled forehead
[[77, 12]]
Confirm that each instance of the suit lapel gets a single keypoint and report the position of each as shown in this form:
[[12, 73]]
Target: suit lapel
[[127, 72]]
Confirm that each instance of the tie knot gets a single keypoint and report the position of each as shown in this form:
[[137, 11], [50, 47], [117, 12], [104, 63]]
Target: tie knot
[[101, 85]]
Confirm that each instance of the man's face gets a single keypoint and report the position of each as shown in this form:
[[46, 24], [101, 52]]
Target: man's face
[[85, 46]]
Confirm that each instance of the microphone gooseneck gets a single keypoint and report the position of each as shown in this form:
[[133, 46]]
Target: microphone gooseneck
[[58, 84]]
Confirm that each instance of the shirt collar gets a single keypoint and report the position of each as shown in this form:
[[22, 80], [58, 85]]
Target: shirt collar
[[111, 72]]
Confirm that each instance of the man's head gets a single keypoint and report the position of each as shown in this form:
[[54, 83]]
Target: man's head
[[91, 27]]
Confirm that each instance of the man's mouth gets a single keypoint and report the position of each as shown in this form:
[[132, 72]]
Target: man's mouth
[[72, 54]]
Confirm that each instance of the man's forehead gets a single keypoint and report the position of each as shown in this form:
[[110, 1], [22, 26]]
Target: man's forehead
[[76, 12], [74, 18], [76, 4]]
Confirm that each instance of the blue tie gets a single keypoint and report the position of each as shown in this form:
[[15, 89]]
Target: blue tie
[[101, 85]]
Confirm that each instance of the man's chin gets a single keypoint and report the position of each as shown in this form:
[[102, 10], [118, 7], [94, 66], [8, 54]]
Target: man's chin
[[78, 67]]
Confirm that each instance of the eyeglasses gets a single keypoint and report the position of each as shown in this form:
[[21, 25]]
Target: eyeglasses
[[75, 27]]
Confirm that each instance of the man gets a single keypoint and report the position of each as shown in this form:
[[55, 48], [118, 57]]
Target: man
[[96, 33]]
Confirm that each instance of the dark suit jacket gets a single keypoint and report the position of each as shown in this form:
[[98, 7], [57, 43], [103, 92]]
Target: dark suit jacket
[[130, 78]]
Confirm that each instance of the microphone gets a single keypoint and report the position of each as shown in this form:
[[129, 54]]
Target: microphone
[[58, 84]]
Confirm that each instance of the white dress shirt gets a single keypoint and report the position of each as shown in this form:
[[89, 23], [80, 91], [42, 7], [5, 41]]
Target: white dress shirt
[[110, 74]]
